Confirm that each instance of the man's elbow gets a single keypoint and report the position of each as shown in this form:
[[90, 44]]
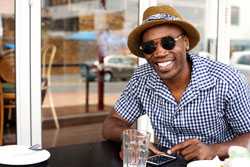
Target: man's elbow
[[105, 130]]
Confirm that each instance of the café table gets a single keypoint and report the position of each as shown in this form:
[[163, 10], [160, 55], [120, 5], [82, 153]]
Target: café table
[[100, 154]]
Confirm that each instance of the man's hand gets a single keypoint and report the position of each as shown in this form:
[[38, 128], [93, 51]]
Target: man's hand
[[194, 149], [121, 154]]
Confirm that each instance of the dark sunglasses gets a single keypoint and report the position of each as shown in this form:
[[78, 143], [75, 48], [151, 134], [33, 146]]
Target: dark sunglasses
[[167, 43]]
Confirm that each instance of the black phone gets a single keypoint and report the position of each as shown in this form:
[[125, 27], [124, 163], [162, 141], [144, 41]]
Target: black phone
[[158, 160]]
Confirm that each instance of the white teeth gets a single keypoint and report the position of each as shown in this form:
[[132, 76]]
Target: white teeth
[[164, 64]]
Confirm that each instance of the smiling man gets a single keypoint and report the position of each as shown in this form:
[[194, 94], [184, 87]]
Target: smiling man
[[198, 107]]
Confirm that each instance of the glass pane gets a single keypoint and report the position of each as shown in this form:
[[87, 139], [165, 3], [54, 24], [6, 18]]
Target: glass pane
[[203, 15], [239, 35], [235, 15], [86, 64], [7, 73]]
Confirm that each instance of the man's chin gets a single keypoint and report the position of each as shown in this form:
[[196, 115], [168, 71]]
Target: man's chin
[[168, 76]]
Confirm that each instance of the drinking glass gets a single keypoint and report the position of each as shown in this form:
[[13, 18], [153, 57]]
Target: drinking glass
[[135, 147]]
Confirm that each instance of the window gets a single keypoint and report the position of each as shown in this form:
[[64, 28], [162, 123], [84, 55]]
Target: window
[[7, 73], [80, 35], [235, 15], [245, 60]]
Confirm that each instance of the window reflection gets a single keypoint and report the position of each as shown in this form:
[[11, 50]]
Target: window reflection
[[7, 73], [235, 15], [85, 83], [240, 36]]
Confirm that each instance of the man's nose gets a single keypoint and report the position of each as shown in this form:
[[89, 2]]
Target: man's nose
[[160, 51]]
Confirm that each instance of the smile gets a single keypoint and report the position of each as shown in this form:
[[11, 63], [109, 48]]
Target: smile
[[165, 66]]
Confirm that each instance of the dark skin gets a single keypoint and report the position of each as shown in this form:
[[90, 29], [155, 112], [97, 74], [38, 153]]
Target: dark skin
[[175, 71]]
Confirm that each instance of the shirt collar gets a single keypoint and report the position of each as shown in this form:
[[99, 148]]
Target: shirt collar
[[201, 78]]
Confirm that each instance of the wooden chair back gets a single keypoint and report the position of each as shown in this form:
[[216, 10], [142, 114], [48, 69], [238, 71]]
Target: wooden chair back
[[7, 75], [48, 56], [1, 114], [8, 68]]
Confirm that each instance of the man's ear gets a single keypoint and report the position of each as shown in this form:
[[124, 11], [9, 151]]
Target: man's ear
[[186, 40]]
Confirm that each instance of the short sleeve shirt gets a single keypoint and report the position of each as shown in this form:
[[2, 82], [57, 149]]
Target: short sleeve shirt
[[214, 108]]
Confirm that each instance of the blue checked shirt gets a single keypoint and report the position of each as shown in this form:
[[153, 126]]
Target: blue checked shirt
[[214, 108]]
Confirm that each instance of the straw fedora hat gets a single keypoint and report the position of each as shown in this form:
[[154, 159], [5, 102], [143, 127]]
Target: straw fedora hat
[[158, 15]]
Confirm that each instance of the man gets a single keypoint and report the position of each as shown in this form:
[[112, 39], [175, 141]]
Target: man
[[198, 107]]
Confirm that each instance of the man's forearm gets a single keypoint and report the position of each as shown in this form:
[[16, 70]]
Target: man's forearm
[[222, 148], [113, 128]]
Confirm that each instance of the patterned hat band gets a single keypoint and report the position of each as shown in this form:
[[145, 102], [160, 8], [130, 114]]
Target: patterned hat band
[[160, 16]]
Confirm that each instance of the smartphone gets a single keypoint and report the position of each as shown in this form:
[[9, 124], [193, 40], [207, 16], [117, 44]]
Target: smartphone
[[158, 160]]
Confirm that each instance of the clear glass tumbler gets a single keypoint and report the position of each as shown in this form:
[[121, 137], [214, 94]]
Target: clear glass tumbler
[[135, 147]]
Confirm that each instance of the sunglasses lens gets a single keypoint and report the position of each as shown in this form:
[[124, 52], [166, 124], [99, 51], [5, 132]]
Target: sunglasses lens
[[148, 47], [168, 43]]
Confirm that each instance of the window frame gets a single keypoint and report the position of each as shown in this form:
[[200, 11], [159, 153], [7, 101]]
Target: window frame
[[28, 71]]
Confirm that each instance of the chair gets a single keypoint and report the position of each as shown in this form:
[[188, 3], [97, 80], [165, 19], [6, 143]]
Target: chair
[[48, 55], [1, 115], [7, 89]]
